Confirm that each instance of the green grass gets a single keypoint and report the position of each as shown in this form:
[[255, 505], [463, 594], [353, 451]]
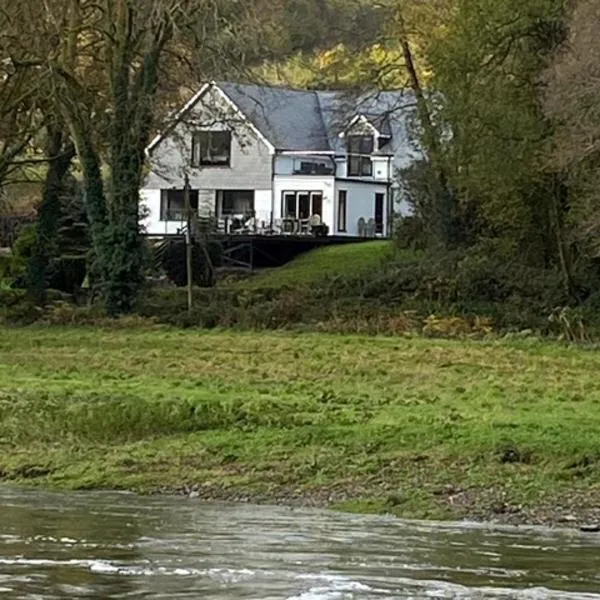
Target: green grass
[[323, 263], [418, 427]]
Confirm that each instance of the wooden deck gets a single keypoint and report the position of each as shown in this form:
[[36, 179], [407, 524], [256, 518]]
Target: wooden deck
[[257, 251]]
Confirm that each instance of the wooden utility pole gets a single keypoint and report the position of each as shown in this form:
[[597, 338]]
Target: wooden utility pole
[[188, 242]]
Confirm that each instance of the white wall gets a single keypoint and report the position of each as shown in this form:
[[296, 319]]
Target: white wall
[[306, 183], [262, 206], [360, 202], [382, 168], [284, 165], [341, 167], [150, 209]]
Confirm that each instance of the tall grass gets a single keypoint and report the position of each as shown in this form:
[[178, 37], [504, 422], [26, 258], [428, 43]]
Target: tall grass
[[365, 416]]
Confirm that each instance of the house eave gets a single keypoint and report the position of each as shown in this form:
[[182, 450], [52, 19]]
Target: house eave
[[306, 152], [177, 118], [380, 182], [191, 103]]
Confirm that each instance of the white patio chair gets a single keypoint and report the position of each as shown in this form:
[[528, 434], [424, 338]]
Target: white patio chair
[[362, 227], [371, 228]]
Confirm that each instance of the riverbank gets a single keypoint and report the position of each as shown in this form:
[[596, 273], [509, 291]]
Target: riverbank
[[423, 428]]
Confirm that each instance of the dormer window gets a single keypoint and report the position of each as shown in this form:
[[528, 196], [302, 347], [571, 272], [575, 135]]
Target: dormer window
[[360, 148], [383, 141], [211, 149]]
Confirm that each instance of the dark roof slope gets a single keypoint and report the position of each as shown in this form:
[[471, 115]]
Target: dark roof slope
[[312, 120], [289, 119]]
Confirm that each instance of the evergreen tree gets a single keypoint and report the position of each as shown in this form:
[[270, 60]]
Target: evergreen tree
[[60, 152]]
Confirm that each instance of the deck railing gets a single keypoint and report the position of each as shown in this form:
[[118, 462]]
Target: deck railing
[[250, 225]]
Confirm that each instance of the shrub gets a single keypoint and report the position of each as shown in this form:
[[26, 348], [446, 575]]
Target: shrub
[[205, 259], [22, 251], [16, 308], [457, 326], [409, 233], [66, 313]]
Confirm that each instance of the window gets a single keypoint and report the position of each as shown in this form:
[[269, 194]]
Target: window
[[360, 148], [289, 205], [379, 200], [341, 210], [314, 168], [172, 204], [211, 148], [236, 202], [317, 205], [302, 205], [383, 141]]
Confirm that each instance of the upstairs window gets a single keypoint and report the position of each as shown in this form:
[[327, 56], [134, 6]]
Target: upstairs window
[[360, 148], [314, 168], [211, 149]]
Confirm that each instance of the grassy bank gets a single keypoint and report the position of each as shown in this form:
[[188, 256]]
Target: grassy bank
[[370, 288], [375, 288], [323, 264], [416, 427]]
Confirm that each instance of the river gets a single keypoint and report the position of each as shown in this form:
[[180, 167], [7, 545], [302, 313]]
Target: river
[[114, 546]]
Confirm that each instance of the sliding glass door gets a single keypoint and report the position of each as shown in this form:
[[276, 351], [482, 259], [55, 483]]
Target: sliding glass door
[[302, 205]]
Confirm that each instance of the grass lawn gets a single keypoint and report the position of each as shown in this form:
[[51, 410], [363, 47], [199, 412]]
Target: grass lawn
[[323, 263], [417, 427]]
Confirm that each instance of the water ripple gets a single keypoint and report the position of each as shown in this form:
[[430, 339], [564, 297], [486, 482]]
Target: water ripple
[[114, 546]]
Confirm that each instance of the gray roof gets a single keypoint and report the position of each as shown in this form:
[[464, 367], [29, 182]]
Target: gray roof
[[289, 119], [312, 120]]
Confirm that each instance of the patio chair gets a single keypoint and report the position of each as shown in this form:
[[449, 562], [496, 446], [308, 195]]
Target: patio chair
[[250, 225], [236, 224], [288, 226], [362, 227], [371, 228], [304, 226], [317, 227]]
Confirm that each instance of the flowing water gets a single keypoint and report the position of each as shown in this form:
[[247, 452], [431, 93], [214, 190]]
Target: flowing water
[[109, 546]]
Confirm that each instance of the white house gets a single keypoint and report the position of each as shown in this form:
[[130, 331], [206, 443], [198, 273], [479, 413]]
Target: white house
[[283, 160]]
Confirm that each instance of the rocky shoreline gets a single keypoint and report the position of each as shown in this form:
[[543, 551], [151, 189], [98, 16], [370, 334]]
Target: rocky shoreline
[[572, 515]]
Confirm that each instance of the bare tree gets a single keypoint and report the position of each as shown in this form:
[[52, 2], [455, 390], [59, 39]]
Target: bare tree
[[572, 101], [20, 118], [107, 63]]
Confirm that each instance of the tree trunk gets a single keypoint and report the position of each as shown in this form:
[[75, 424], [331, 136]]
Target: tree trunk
[[61, 153], [443, 209], [133, 98], [556, 216]]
